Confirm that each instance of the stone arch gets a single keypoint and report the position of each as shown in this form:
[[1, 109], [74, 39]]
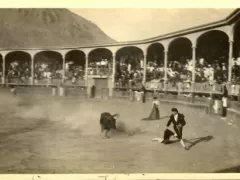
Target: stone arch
[[212, 53], [236, 39], [179, 60], [155, 62], [75, 63], [48, 68], [211, 30], [18, 67], [182, 46], [155, 51], [236, 53], [129, 66], [100, 62]]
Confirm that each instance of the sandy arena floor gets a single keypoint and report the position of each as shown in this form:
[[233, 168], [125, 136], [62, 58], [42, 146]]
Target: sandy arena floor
[[64, 137]]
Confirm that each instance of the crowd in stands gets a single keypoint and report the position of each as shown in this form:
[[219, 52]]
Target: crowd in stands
[[74, 72], [181, 71], [47, 71], [154, 72], [215, 72], [18, 72], [100, 67], [177, 71], [236, 71], [129, 72]]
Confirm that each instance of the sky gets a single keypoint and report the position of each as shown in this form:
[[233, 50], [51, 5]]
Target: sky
[[129, 24]]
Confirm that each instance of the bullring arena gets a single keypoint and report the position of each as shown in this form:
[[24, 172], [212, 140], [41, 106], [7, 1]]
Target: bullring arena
[[51, 124]]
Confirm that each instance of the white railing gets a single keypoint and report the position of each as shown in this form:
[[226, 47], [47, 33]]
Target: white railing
[[103, 71]]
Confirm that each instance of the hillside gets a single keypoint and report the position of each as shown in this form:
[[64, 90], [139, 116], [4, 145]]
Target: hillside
[[23, 28]]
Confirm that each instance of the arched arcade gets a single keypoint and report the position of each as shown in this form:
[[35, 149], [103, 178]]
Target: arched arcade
[[212, 57], [236, 54], [75, 64], [155, 63], [48, 68], [129, 67], [179, 62], [18, 68], [100, 62]]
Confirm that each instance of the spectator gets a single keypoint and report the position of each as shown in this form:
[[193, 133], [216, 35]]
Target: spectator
[[224, 101]]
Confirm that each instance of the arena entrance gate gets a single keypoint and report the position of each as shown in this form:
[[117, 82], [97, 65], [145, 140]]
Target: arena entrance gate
[[101, 87]]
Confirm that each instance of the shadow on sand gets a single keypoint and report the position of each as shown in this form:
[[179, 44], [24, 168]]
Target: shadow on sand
[[192, 142], [195, 141], [172, 141], [235, 169], [147, 119]]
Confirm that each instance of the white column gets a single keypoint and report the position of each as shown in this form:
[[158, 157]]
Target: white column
[[144, 67], [165, 69], [63, 66], [230, 56], [32, 69], [113, 69], [86, 69], [194, 66], [193, 72], [3, 69], [111, 88], [194, 63]]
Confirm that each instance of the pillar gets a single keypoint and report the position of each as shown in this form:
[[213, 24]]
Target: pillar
[[230, 56], [165, 69], [64, 66], [111, 88], [113, 69], [144, 67], [194, 63], [32, 69], [3, 69], [86, 69], [88, 84], [194, 71]]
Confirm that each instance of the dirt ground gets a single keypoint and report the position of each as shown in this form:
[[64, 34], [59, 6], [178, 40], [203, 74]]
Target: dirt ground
[[63, 136]]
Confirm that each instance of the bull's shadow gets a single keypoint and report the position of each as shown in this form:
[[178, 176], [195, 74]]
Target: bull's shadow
[[193, 142]]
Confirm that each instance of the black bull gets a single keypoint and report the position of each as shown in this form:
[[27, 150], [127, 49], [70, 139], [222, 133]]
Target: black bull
[[107, 122]]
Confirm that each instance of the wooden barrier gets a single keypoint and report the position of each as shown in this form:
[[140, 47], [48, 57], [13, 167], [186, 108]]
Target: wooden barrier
[[105, 93], [76, 91], [202, 91], [122, 93]]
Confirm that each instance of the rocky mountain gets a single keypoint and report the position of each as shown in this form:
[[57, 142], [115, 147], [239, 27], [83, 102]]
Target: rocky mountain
[[23, 28]]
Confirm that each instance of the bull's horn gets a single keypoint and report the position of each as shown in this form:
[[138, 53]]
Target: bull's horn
[[115, 115]]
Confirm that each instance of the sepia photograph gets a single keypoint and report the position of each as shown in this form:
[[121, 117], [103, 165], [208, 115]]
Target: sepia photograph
[[119, 90]]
